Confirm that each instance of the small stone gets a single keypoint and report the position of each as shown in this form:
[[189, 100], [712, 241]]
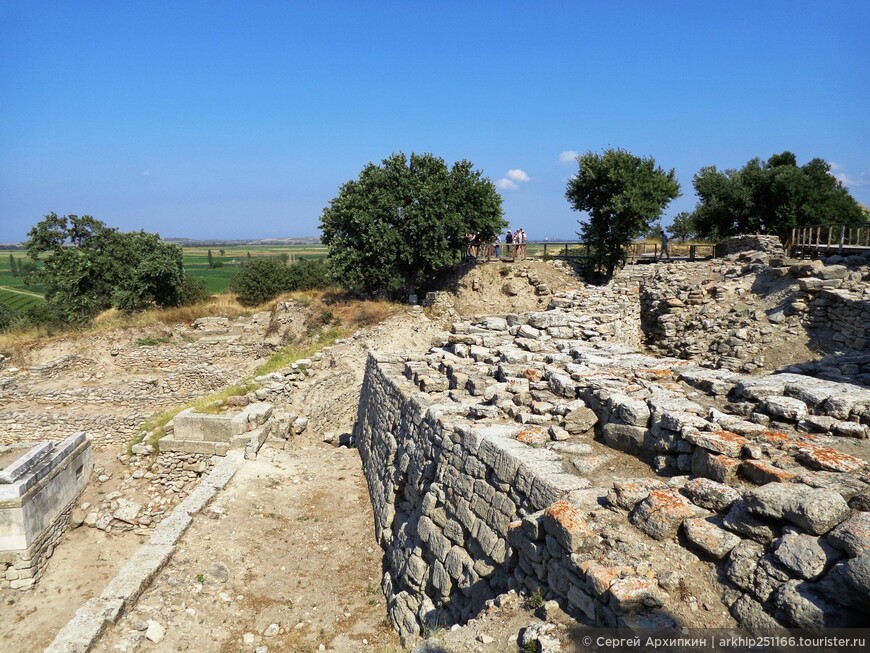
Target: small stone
[[155, 632], [271, 630], [483, 638], [248, 639]]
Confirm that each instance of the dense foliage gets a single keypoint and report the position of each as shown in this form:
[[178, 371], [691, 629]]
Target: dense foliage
[[89, 267], [262, 278], [624, 195], [7, 317], [403, 222], [770, 197]]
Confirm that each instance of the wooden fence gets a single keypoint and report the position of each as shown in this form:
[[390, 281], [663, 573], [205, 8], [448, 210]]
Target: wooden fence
[[829, 238]]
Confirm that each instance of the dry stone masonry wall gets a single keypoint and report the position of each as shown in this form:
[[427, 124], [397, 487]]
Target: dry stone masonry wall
[[494, 461]]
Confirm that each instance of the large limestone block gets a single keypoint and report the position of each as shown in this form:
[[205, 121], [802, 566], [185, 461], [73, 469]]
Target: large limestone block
[[814, 510]]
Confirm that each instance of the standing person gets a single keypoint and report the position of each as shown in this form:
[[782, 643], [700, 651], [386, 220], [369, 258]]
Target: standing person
[[496, 245], [665, 248], [508, 243], [523, 240]]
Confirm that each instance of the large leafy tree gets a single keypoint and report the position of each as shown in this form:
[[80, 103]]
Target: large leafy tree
[[770, 197], [88, 267], [401, 223], [623, 195]]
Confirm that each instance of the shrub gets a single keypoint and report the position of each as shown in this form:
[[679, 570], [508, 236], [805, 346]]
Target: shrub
[[192, 291], [7, 317], [260, 280]]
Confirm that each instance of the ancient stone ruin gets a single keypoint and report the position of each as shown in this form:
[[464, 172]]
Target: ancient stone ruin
[[37, 493], [507, 457]]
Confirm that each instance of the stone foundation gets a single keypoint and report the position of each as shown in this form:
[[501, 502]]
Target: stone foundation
[[37, 493]]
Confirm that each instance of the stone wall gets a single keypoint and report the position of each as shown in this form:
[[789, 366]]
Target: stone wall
[[36, 496], [482, 477]]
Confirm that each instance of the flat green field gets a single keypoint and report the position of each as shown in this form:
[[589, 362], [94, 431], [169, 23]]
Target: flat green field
[[17, 295]]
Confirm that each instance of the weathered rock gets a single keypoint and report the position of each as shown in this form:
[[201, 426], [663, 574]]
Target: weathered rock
[[706, 535], [785, 407], [752, 616], [853, 535], [711, 495], [814, 510], [635, 593], [740, 520], [627, 493], [742, 562], [799, 603], [566, 523], [805, 555], [662, 512]]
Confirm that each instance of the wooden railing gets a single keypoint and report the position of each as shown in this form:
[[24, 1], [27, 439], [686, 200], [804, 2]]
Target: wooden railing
[[829, 237], [578, 250]]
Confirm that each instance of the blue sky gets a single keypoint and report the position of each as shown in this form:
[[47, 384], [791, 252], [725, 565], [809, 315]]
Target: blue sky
[[242, 119]]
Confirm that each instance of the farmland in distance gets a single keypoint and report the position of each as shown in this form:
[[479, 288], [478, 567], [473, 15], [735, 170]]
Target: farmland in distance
[[18, 295]]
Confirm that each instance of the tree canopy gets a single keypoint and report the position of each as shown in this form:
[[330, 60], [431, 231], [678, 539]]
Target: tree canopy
[[623, 195], [770, 197], [401, 223], [89, 267]]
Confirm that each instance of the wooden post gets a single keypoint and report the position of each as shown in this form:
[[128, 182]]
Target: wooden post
[[566, 250], [545, 251]]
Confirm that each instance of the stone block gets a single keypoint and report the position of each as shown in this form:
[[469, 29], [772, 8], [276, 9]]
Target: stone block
[[852, 535], [662, 512], [710, 494], [636, 593], [742, 562], [706, 535], [721, 442], [717, 467], [806, 556], [814, 510], [627, 493], [827, 458], [580, 420], [631, 439], [740, 520], [762, 472], [801, 604], [567, 525], [788, 408]]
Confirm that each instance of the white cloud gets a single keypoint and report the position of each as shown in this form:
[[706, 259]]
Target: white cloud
[[835, 166], [568, 156], [517, 175], [849, 181], [506, 184]]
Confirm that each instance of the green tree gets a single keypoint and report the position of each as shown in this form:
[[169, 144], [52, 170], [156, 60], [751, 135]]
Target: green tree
[[401, 223], [89, 267], [623, 194], [223, 251], [770, 197], [683, 227], [210, 260], [13, 267]]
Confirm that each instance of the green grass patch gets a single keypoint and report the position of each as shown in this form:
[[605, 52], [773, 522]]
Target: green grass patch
[[152, 342], [291, 353]]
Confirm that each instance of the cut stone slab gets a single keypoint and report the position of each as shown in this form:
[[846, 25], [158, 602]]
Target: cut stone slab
[[566, 523], [814, 510], [662, 513], [722, 442], [717, 467], [710, 494], [786, 407], [762, 472], [634, 594], [707, 535], [827, 458]]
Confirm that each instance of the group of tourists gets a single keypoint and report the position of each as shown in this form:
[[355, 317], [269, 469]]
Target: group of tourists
[[514, 246]]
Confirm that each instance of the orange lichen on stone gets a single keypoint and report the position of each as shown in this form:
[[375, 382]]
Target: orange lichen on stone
[[531, 374], [565, 514], [761, 472], [534, 436], [829, 459]]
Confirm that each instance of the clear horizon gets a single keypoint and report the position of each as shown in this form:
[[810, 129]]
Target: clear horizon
[[221, 120]]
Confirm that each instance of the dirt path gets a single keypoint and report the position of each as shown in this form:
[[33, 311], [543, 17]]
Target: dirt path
[[20, 292], [290, 541]]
